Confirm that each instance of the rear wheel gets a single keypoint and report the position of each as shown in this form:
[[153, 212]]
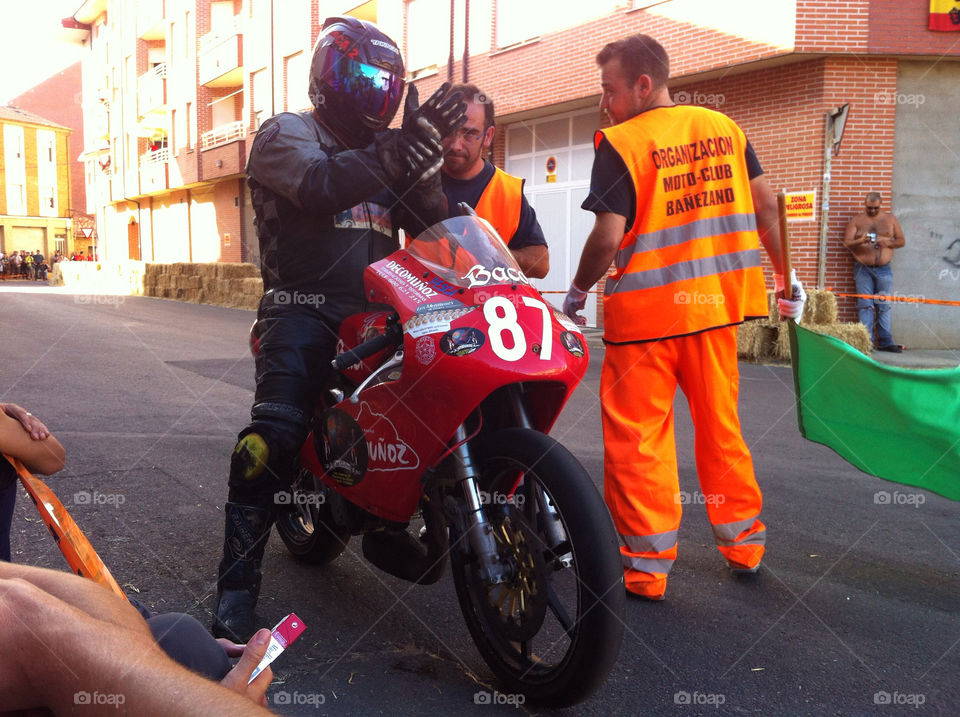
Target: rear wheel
[[306, 524], [552, 628]]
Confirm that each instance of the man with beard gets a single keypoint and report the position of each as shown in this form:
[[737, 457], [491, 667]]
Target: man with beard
[[495, 195]]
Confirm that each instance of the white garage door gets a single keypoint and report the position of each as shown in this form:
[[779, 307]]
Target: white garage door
[[554, 155]]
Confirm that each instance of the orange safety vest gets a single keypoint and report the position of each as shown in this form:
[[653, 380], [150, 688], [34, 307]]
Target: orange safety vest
[[500, 203], [691, 260]]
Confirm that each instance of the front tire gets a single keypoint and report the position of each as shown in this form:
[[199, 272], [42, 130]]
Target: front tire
[[552, 629], [306, 525]]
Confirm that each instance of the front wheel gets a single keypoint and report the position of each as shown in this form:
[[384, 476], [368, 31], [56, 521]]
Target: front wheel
[[551, 628]]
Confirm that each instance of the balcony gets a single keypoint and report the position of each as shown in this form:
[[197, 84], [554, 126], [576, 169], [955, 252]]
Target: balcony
[[223, 134], [152, 90], [219, 60], [151, 20], [153, 170], [223, 150]]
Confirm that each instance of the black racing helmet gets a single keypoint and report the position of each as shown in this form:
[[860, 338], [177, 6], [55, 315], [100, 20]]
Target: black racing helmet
[[356, 79]]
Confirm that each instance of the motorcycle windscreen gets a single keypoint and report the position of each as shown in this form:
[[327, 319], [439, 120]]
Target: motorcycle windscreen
[[456, 248]]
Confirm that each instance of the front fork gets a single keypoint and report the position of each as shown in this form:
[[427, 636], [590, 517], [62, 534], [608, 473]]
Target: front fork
[[479, 530]]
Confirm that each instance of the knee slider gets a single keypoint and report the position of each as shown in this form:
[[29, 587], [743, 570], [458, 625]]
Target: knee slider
[[250, 457]]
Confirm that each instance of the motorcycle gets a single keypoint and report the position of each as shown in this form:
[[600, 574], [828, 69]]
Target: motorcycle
[[438, 410]]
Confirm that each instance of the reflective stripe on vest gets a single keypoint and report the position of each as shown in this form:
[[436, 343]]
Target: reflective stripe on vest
[[500, 203], [690, 261]]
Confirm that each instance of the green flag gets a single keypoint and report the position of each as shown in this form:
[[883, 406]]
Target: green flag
[[894, 423]]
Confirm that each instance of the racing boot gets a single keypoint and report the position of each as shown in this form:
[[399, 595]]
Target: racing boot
[[246, 531]]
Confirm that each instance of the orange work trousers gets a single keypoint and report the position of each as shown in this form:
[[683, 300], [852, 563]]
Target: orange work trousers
[[637, 387]]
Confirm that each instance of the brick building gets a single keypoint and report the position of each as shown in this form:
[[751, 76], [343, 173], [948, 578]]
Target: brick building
[[34, 182], [197, 77], [58, 99]]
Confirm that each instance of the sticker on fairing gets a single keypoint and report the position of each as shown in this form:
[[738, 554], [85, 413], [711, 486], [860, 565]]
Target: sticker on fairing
[[434, 322], [463, 341], [340, 445], [566, 322], [426, 350], [449, 304], [571, 342], [385, 449]]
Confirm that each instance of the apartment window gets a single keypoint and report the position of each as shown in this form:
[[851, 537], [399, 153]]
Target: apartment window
[[297, 83], [517, 22], [16, 201], [260, 81], [221, 17], [428, 33]]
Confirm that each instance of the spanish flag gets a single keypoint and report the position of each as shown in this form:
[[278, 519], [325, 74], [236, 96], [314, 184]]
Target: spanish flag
[[945, 15], [893, 423]]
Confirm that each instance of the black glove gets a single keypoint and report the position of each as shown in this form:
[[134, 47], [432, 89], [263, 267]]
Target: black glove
[[409, 158], [445, 109]]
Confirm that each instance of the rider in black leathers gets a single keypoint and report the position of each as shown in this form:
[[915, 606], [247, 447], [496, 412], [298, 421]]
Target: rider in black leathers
[[330, 187]]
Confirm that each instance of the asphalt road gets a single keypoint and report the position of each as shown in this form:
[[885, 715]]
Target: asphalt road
[[854, 613]]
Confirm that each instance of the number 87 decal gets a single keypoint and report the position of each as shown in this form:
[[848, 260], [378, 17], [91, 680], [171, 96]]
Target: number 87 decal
[[501, 315]]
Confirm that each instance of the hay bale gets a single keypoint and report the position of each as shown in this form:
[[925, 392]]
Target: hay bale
[[746, 340], [188, 282], [207, 271], [236, 270], [853, 334], [821, 308], [252, 287], [756, 340]]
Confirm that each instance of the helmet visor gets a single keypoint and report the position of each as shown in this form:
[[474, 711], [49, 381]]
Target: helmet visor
[[376, 91]]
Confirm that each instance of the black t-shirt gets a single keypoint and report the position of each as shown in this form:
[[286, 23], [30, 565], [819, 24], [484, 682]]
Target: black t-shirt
[[528, 231], [611, 187]]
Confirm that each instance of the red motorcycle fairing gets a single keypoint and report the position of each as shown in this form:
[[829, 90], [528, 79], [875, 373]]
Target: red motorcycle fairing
[[472, 325], [356, 329]]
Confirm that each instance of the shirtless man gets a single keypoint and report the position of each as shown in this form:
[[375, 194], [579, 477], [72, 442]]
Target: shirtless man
[[871, 237]]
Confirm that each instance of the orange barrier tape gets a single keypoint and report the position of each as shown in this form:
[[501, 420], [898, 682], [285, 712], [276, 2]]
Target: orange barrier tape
[[80, 554], [903, 299]]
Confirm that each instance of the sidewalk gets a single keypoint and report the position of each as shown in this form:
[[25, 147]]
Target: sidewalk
[[910, 358], [919, 358]]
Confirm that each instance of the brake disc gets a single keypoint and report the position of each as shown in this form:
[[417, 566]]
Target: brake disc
[[517, 605]]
